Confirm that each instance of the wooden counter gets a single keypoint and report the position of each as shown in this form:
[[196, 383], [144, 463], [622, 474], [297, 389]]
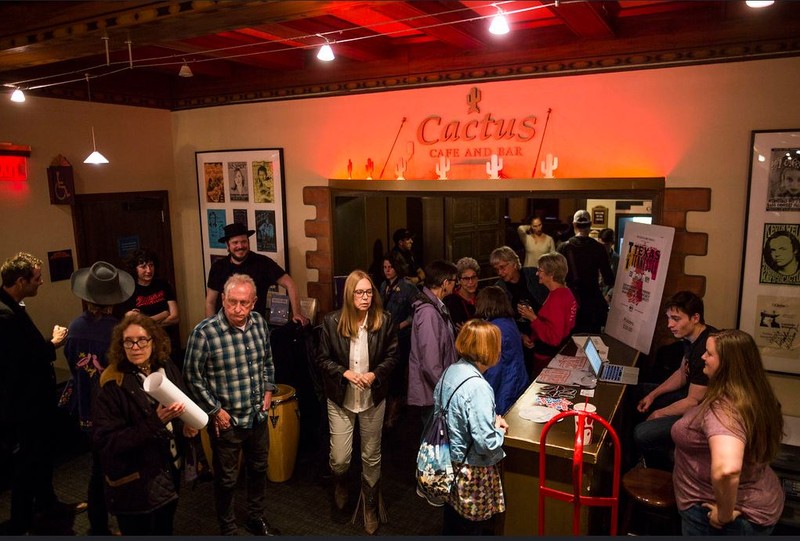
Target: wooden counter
[[521, 465]]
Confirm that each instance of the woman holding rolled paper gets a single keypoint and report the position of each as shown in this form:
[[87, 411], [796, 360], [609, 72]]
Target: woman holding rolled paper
[[139, 440]]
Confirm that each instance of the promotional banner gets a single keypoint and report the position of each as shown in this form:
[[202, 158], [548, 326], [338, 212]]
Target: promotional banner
[[642, 272]]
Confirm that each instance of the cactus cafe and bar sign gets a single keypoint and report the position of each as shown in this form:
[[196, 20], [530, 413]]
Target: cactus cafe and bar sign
[[477, 135]]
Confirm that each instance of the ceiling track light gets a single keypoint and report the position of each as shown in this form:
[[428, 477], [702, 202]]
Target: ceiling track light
[[499, 25], [325, 52], [185, 70], [95, 157], [18, 95]]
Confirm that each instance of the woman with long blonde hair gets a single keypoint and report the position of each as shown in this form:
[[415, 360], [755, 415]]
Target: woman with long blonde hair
[[724, 445], [357, 353]]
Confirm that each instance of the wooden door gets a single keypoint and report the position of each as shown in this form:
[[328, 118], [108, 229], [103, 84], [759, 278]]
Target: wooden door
[[110, 226]]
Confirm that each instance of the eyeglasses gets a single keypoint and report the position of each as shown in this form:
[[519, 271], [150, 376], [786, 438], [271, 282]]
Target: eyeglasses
[[363, 293], [473, 278], [141, 342]]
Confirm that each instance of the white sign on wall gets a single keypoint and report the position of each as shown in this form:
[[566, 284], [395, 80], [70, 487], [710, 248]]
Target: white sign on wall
[[639, 285]]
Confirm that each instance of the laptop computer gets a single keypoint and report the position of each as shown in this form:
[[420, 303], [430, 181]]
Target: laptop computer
[[613, 373]]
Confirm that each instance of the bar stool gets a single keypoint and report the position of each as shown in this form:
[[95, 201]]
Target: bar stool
[[652, 490], [575, 497]]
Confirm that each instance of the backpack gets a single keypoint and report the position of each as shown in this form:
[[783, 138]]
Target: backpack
[[434, 467]]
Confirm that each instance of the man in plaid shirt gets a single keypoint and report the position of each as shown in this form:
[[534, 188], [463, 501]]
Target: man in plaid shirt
[[229, 370]]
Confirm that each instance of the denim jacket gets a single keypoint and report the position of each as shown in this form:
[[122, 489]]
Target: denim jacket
[[471, 415]]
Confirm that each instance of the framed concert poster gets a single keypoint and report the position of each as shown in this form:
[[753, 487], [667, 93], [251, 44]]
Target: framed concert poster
[[769, 302], [247, 187]]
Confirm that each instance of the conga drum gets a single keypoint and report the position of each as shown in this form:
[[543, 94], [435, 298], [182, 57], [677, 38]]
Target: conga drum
[[284, 434]]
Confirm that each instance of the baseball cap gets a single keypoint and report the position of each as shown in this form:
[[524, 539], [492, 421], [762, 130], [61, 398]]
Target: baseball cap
[[581, 217]]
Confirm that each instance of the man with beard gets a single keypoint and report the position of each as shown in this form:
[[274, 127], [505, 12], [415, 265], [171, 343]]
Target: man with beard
[[263, 270]]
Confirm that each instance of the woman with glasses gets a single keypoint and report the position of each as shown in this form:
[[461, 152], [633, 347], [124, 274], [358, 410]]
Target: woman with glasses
[[461, 302], [356, 356], [552, 324], [139, 440]]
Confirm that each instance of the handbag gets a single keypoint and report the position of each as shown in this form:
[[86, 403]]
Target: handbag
[[477, 492], [434, 466]]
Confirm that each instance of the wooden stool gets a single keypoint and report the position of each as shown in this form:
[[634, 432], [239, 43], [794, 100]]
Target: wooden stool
[[653, 490]]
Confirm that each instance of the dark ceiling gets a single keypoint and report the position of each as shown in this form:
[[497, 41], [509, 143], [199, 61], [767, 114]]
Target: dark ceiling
[[244, 51]]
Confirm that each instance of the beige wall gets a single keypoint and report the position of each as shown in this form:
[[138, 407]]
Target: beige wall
[[691, 125], [137, 143]]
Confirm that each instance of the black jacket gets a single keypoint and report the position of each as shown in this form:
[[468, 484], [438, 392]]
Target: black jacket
[[333, 357], [133, 443], [27, 378]]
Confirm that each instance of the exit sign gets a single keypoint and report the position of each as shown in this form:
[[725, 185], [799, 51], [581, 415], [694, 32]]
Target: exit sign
[[14, 161], [13, 168]]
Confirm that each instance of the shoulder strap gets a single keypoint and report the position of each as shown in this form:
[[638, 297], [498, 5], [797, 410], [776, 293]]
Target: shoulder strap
[[447, 407]]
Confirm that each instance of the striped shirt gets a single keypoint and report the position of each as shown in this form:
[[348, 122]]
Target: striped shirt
[[229, 368]]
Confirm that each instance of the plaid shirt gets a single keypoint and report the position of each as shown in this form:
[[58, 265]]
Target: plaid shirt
[[231, 369]]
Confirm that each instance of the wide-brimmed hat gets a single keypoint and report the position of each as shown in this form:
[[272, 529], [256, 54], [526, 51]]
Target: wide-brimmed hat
[[234, 230], [102, 284]]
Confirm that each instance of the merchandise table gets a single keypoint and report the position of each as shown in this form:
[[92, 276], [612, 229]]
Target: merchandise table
[[521, 465]]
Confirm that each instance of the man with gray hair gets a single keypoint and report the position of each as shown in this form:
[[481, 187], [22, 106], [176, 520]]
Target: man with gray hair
[[27, 394], [229, 370]]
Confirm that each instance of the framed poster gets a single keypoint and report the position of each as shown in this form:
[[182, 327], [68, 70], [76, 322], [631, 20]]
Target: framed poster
[[769, 302], [242, 186]]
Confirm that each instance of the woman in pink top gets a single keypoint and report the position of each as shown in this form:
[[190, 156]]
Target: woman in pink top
[[551, 326], [724, 445]]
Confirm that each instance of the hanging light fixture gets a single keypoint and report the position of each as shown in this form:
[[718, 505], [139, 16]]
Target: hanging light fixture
[[18, 95], [185, 70], [325, 52], [759, 4], [95, 157], [499, 25]]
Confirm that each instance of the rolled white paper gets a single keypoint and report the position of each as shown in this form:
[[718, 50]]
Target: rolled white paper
[[162, 389]]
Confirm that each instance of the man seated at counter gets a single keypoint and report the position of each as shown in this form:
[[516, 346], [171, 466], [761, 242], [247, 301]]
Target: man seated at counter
[[684, 389]]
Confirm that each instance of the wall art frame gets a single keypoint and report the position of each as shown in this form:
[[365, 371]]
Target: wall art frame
[[769, 300], [245, 186]]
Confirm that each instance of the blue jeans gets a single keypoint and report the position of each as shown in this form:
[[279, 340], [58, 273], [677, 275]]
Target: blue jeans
[[653, 438], [694, 521]]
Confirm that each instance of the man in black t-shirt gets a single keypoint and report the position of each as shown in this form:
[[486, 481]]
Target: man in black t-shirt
[[263, 270], [586, 261], [684, 389]]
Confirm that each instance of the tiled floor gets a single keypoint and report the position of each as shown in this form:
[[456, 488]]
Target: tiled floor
[[300, 506]]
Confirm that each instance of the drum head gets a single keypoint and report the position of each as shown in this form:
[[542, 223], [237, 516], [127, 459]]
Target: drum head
[[284, 392]]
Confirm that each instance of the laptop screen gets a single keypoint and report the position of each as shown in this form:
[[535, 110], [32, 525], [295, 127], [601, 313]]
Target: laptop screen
[[593, 355]]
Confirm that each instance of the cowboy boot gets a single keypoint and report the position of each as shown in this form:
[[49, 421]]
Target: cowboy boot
[[371, 502], [340, 490]]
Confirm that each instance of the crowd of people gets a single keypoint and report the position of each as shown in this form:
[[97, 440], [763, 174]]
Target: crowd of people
[[387, 355]]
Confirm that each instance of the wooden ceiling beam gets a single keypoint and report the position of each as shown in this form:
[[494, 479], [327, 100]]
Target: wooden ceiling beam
[[588, 20], [429, 14]]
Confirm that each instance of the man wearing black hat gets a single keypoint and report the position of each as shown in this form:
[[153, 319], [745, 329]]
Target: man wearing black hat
[[263, 270], [586, 261], [403, 241], [27, 394]]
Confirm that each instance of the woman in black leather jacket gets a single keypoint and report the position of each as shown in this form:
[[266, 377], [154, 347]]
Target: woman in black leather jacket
[[356, 356], [139, 441]]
